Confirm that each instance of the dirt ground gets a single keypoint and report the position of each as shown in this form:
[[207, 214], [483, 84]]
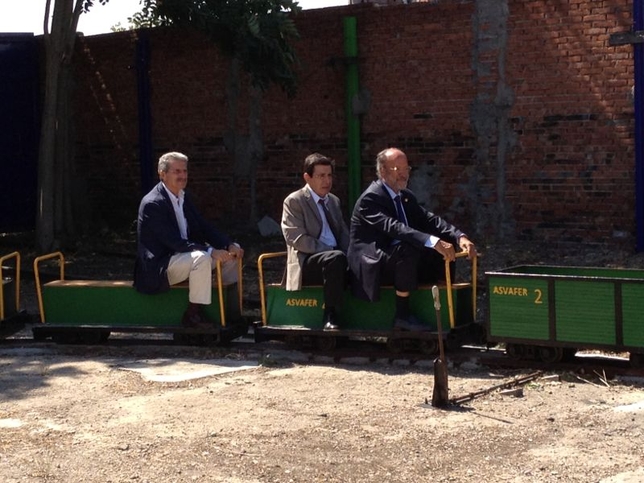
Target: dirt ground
[[66, 418], [80, 416]]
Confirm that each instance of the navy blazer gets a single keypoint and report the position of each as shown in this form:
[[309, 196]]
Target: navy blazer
[[158, 238], [374, 226]]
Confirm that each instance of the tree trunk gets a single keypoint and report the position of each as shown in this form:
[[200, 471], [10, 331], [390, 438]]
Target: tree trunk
[[248, 151], [45, 219], [53, 172]]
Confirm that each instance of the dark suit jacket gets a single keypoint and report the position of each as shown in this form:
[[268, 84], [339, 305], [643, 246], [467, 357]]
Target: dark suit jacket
[[158, 238], [374, 226], [301, 226]]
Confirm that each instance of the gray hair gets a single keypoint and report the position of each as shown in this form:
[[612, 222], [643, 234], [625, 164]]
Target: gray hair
[[167, 158], [381, 157]]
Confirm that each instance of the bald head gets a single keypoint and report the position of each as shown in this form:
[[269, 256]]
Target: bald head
[[393, 168]]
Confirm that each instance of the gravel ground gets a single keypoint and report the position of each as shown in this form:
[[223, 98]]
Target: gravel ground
[[70, 416]]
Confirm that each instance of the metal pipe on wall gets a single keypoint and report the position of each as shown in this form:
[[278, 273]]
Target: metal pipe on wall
[[145, 117], [353, 121], [638, 54]]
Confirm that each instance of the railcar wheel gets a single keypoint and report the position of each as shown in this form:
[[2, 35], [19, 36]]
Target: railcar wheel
[[429, 346], [550, 354], [294, 341], [93, 336], [515, 351], [569, 354], [478, 334], [452, 342], [395, 345], [186, 339], [64, 338], [39, 336], [210, 340], [327, 343], [636, 359]]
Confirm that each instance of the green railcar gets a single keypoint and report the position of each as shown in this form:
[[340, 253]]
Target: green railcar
[[298, 314], [551, 311], [87, 311]]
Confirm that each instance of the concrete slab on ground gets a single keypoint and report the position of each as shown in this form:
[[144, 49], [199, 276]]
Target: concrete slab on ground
[[177, 370]]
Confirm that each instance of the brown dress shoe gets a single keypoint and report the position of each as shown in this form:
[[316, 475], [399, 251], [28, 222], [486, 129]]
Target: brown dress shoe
[[196, 320]]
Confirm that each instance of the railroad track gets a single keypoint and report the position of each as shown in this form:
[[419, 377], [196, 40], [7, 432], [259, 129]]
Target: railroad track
[[601, 366]]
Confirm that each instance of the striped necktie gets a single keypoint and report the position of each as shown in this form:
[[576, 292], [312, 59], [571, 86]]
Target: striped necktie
[[329, 220]]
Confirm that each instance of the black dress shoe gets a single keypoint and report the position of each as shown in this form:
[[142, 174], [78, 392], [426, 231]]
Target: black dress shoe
[[411, 324], [329, 321]]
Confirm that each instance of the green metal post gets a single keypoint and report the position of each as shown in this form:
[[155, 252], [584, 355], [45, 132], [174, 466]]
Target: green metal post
[[353, 121]]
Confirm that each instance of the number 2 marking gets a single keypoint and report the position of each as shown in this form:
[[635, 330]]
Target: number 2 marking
[[538, 299]]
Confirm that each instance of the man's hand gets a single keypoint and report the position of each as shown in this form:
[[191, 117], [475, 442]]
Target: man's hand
[[221, 256], [467, 246], [446, 249], [236, 251]]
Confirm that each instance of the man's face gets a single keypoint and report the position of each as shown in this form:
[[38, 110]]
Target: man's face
[[322, 180], [176, 178], [395, 172]]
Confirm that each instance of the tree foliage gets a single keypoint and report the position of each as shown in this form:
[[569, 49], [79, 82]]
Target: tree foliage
[[259, 33], [258, 37]]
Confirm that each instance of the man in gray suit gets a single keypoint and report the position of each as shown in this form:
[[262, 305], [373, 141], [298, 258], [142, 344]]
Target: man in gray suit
[[317, 237]]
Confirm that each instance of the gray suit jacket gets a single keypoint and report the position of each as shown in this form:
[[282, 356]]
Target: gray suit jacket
[[301, 226]]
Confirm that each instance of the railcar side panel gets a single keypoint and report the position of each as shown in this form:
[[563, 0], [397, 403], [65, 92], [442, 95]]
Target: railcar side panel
[[304, 308], [585, 311], [576, 307], [85, 302], [633, 314], [519, 307]]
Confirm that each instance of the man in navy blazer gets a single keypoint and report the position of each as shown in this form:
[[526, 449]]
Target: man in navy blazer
[[175, 243], [394, 240]]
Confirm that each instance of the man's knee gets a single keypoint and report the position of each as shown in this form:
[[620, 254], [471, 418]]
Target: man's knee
[[335, 265], [201, 260], [408, 258], [406, 268], [337, 259]]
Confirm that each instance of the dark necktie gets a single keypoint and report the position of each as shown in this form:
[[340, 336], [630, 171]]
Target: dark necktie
[[399, 209], [329, 220]]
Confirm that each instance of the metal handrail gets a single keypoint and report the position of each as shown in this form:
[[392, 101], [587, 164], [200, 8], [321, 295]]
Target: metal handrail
[[262, 291], [37, 260], [448, 287], [220, 290]]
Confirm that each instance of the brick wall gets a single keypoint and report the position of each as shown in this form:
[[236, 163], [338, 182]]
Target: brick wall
[[516, 115]]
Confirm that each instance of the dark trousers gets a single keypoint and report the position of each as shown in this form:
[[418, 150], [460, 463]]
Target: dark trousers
[[330, 270], [405, 267]]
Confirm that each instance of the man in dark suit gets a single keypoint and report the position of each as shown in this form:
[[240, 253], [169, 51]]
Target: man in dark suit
[[316, 237], [394, 240], [175, 243]]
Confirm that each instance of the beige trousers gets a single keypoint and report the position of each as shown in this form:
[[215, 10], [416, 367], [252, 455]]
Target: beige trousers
[[197, 267]]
